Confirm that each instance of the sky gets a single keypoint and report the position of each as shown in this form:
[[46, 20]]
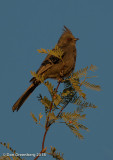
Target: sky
[[26, 26]]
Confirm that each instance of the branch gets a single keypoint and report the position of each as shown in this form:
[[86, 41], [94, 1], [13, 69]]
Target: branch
[[47, 126]]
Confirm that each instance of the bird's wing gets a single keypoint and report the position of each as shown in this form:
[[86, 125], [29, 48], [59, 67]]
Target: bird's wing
[[49, 61]]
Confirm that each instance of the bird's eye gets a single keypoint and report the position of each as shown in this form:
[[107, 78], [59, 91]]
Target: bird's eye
[[69, 39]]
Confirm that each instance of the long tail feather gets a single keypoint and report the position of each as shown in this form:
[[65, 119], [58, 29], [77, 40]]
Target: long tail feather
[[24, 97]]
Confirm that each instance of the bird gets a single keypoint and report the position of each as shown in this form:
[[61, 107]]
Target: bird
[[52, 66]]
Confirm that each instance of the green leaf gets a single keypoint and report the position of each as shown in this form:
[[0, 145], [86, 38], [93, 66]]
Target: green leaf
[[91, 86], [57, 100], [40, 116], [76, 86], [34, 118], [46, 102], [57, 51], [80, 73], [75, 131], [50, 87], [38, 77], [54, 154], [83, 104], [52, 116], [41, 50], [83, 127], [92, 68]]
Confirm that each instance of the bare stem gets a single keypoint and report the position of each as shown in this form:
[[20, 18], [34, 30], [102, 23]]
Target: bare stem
[[46, 126]]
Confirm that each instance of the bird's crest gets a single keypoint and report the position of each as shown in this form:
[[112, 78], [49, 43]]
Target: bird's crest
[[66, 30]]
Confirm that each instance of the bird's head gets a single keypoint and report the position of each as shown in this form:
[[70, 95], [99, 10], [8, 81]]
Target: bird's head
[[67, 38]]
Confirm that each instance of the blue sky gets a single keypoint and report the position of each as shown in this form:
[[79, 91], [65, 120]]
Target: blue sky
[[26, 26]]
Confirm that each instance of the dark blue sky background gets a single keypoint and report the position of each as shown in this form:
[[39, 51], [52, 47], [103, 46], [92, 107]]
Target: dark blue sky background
[[28, 25]]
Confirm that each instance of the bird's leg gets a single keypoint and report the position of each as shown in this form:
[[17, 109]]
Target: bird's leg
[[60, 79], [61, 73]]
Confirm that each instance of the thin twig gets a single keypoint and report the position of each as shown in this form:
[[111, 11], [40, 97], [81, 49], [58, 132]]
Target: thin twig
[[53, 121], [47, 126]]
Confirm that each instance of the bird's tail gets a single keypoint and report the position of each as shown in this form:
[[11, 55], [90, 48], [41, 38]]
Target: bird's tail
[[24, 97]]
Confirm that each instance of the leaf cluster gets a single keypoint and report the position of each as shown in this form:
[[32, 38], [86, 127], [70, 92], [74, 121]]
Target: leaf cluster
[[72, 93], [13, 151], [71, 120], [57, 52], [56, 155], [54, 107]]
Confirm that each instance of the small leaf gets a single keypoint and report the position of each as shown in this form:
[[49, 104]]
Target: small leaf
[[52, 116], [33, 116], [46, 102], [8, 145], [49, 86], [33, 74], [92, 68], [40, 116], [80, 73], [57, 100], [41, 50], [38, 77], [83, 127], [91, 86]]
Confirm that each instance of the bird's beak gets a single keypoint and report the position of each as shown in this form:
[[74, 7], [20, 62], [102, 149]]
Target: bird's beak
[[76, 39]]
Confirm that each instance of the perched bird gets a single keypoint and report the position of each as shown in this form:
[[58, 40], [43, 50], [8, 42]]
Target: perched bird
[[53, 67]]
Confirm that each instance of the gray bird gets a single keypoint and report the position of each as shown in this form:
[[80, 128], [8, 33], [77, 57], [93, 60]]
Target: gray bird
[[53, 67]]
